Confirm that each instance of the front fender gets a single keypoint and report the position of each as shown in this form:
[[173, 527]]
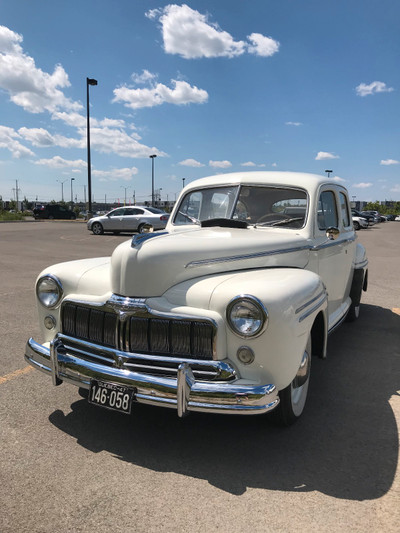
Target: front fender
[[293, 299]]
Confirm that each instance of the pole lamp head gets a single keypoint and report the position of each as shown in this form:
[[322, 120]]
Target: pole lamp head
[[91, 81]]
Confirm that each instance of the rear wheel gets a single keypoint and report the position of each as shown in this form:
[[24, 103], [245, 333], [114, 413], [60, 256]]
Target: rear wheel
[[97, 228], [293, 397]]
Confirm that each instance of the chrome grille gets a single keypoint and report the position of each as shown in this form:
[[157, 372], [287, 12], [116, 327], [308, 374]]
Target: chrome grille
[[190, 339]]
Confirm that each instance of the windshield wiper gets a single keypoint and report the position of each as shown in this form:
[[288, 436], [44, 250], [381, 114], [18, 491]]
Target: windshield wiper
[[287, 221], [192, 219], [279, 222]]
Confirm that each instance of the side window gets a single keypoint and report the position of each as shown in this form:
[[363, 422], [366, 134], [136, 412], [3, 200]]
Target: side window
[[327, 212], [117, 213], [344, 209]]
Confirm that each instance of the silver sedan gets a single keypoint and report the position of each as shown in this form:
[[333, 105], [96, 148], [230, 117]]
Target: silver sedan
[[128, 219]]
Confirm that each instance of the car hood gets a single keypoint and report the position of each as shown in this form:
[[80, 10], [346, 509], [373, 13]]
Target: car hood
[[152, 263]]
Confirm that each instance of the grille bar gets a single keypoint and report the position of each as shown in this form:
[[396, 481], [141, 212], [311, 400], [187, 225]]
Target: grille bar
[[191, 339]]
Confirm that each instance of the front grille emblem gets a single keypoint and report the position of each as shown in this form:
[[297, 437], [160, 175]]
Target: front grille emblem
[[119, 362]]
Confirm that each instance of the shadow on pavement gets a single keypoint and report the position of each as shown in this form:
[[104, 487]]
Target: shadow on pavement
[[345, 445]]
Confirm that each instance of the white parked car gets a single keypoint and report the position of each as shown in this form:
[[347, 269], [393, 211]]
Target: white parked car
[[128, 219], [359, 222], [219, 313]]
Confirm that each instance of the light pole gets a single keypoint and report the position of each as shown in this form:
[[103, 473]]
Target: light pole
[[152, 157], [62, 188], [125, 193], [72, 197], [329, 172], [89, 81]]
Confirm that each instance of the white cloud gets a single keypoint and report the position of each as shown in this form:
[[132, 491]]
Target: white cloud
[[396, 188], [42, 138], [220, 164], [339, 180], [190, 34], [325, 155], [362, 185], [59, 162], [144, 77], [9, 140], [373, 88], [274, 164], [390, 162], [191, 163], [251, 164], [116, 174], [107, 140], [262, 46], [28, 86], [293, 123], [181, 94]]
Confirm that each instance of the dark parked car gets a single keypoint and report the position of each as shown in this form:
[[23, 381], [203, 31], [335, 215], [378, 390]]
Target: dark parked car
[[371, 219], [378, 216], [52, 211]]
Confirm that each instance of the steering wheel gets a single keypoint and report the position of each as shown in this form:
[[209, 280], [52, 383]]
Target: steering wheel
[[272, 217]]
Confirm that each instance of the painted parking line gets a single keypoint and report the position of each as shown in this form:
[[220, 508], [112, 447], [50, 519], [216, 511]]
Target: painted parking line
[[15, 374]]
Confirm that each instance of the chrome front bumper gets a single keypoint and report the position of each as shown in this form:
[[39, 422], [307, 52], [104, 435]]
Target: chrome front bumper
[[183, 393]]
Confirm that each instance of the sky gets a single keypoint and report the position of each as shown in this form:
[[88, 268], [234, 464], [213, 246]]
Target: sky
[[207, 86]]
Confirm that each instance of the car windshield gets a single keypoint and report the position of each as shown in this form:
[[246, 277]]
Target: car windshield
[[256, 205]]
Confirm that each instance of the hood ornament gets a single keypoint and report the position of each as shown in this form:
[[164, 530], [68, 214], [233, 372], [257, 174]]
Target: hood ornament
[[140, 238]]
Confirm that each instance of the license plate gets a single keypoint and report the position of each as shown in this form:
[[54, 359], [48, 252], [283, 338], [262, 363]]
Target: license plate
[[110, 395]]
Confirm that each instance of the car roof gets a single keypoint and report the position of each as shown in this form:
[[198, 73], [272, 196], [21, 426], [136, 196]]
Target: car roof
[[273, 178]]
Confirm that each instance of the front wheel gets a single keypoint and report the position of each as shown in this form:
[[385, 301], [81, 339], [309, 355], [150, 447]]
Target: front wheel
[[97, 228], [293, 397], [356, 225]]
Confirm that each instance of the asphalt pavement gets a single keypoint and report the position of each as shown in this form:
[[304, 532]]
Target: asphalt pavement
[[67, 466]]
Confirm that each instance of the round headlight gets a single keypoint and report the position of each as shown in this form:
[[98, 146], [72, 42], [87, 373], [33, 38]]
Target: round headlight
[[247, 316], [49, 291]]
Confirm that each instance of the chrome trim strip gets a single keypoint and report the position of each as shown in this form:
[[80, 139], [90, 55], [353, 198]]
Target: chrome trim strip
[[202, 262], [88, 349], [363, 264], [314, 308], [309, 302], [330, 243]]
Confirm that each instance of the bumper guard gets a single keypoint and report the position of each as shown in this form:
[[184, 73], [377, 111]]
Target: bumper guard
[[183, 393]]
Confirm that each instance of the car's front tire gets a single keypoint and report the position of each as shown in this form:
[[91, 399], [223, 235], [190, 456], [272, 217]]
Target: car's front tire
[[293, 397], [356, 225], [97, 228]]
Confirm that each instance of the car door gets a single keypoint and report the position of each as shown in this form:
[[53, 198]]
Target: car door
[[335, 258], [131, 218], [114, 220]]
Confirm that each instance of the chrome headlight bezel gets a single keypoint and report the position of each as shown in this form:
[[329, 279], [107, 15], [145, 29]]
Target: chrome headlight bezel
[[51, 295], [247, 316]]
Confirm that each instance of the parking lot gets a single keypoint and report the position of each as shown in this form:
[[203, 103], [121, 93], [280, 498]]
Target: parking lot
[[67, 466]]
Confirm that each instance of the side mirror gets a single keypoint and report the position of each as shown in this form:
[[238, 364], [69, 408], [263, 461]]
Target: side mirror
[[332, 233], [147, 228]]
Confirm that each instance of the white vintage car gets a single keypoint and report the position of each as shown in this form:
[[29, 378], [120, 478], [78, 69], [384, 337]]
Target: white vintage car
[[219, 313]]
